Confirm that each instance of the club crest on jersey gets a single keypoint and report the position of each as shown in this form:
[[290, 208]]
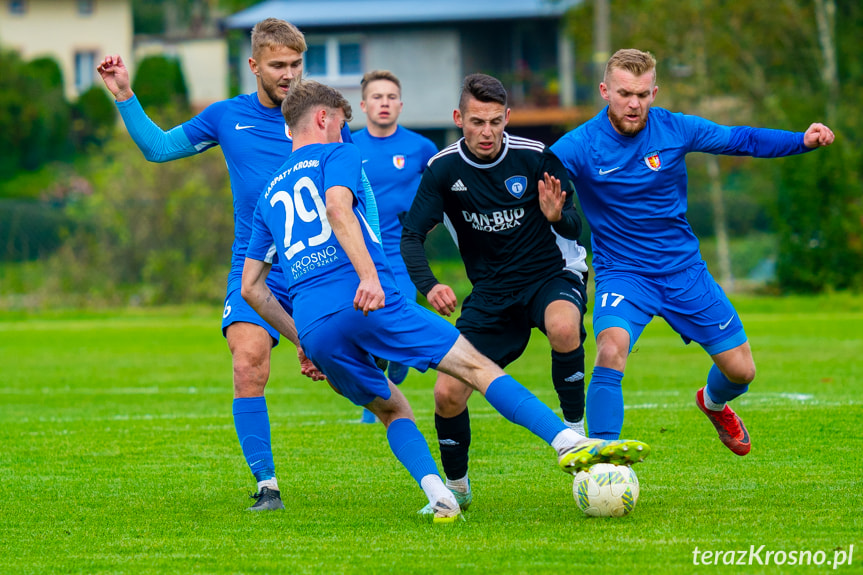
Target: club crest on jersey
[[653, 162], [516, 185], [399, 162], [288, 132]]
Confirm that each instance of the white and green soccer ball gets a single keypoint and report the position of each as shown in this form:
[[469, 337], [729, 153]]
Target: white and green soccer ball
[[606, 490]]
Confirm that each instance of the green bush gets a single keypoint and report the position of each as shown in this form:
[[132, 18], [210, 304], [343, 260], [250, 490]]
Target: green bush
[[34, 116], [94, 117], [159, 83], [149, 234]]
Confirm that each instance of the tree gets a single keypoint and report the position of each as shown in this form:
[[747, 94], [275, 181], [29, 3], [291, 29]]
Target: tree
[[778, 63], [34, 116]]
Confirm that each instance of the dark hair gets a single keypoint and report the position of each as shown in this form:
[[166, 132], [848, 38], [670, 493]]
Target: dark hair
[[369, 77], [483, 88], [305, 95]]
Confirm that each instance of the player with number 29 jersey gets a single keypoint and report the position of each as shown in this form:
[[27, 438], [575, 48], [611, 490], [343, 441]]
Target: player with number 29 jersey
[[313, 261]]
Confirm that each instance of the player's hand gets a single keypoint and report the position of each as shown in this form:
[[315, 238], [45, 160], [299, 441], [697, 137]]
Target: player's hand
[[116, 77], [551, 197], [369, 296], [442, 299], [308, 368], [818, 135]]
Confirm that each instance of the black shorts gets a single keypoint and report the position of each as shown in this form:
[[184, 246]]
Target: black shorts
[[499, 324]]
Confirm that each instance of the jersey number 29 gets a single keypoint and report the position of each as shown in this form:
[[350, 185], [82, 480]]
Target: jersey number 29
[[296, 206]]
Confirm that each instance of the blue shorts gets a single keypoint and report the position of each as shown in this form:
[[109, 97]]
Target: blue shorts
[[238, 310], [691, 301], [342, 346]]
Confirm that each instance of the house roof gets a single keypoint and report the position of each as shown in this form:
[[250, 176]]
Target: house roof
[[338, 13]]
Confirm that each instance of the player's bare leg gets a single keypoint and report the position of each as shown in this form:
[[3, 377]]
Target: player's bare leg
[[729, 377], [250, 347]]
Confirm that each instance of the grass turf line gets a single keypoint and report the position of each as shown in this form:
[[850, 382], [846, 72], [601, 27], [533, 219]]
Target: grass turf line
[[120, 456]]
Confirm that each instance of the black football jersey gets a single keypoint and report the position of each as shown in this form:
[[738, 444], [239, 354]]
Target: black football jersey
[[493, 211]]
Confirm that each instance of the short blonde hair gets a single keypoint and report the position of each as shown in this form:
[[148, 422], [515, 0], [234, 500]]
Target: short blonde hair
[[274, 32], [374, 75], [633, 61], [304, 95]]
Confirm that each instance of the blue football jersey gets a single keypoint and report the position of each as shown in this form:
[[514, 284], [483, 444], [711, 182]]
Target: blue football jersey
[[394, 166], [291, 222], [255, 141], [633, 189]]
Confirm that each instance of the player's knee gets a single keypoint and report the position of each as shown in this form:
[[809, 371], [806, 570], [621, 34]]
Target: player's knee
[[450, 397], [251, 371], [743, 374], [564, 336], [612, 352]]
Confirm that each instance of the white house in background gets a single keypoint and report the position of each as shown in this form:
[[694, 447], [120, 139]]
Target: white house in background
[[76, 33], [79, 33], [431, 45]]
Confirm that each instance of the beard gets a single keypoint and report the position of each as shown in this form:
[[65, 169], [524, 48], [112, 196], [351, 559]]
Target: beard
[[624, 126], [273, 92]]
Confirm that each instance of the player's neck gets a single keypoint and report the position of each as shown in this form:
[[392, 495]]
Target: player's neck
[[382, 131]]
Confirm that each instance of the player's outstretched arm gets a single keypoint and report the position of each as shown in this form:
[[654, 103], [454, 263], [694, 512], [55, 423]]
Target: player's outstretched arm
[[156, 144], [346, 227], [255, 291], [116, 77], [818, 135]]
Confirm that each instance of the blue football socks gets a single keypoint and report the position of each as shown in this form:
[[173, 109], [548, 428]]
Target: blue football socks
[[720, 388], [605, 403], [410, 448], [520, 406], [253, 430]]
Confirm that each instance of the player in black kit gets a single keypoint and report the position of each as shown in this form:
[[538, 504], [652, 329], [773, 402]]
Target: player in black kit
[[502, 199]]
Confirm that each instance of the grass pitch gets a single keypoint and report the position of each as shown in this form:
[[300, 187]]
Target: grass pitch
[[119, 456]]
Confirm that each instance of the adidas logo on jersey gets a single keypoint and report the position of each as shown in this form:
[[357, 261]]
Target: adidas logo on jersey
[[459, 187]]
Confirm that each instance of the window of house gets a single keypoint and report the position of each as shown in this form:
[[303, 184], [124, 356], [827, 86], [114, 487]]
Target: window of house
[[85, 70], [336, 60], [17, 6], [86, 7], [316, 60]]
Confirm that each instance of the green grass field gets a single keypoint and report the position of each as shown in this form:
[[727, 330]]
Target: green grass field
[[119, 456]]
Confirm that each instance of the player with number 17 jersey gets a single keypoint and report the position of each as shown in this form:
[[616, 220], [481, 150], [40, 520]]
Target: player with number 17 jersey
[[321, 279]]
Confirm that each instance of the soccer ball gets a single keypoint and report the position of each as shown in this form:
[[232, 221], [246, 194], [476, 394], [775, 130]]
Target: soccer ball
[[606, 490]]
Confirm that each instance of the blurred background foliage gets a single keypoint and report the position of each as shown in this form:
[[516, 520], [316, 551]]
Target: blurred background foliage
[[85, 220]]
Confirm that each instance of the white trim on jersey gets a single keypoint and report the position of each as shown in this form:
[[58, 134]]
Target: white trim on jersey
[[517, 142], [271, 253], [451, 149], [574, 255], [448, 225], [514, 142]]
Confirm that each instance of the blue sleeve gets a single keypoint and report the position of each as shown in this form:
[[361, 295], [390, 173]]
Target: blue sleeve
[[261, 244], [346, 134], [372, 216], [764, 143], [429, 150], [341, 167], [707, 136], [156, 144]]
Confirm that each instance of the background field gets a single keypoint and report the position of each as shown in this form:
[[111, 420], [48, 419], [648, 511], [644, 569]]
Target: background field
[[119, 456]]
